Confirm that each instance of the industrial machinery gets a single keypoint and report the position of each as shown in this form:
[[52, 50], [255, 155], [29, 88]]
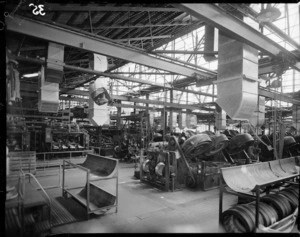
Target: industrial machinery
[[236, 151], [160, 169], [191, 164], [201, 155]]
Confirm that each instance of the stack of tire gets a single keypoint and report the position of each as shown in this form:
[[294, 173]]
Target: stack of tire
[[272, 208]]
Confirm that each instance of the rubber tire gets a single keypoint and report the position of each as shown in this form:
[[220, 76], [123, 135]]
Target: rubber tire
[[271, 212], [279, 205], [238, 225], [264, 213], [229, 226], [243, 215], [293, 191], [291, 198], [295, 187], [286, 203], [251, 210]]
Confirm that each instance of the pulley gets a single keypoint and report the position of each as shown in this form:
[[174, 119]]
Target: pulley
[[159, 169], [145, 166]]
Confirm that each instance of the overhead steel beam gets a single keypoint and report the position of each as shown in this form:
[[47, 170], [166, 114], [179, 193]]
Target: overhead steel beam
[[95, 7], [145, 38], [185, 52], [278, 96], [204, 115], [94, 44], [144, 101], [147, 82], [144, 73], [93, 72], [138, 26], [33, 88], [272, 27], [173, 105], [209, 72], [162, 42], [237, 29]]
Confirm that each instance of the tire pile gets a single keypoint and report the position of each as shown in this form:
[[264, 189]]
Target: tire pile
[[272, 208]]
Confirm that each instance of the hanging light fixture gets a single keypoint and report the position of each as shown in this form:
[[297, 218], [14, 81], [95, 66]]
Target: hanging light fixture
[[269, 14]]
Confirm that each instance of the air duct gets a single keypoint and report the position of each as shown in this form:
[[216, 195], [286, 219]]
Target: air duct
[[258, 117], [98, 109], [51, 76], [210, 42], [54, 69], [237, 82], [48, 95]]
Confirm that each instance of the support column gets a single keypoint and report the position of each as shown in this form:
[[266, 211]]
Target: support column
[[119, 120], [220, 118], [147, 105], [172, 121]]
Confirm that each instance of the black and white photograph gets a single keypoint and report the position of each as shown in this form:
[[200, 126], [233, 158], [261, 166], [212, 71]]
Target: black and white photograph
[[150, 117]]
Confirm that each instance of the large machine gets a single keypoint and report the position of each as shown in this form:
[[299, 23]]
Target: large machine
[[195, 163]]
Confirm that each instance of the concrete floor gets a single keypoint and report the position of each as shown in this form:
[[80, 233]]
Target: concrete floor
[[144, 209]]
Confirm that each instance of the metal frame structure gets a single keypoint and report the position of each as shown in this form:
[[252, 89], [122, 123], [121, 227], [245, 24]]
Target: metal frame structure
[[73, 190]]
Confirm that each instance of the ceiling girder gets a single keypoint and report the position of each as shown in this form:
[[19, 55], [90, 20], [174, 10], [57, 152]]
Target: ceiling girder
[[93, 44], [94, 7], [185, 52], [137, 26], [113, 76], [237, 29], [272, 27]]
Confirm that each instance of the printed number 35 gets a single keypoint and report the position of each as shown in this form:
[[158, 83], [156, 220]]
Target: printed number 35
[[35, 11]]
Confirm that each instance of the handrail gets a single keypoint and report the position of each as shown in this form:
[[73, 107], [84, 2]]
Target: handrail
[[41, 187], [64, 152]]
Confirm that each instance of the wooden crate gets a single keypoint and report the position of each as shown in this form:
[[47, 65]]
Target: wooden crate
[[22, 160]]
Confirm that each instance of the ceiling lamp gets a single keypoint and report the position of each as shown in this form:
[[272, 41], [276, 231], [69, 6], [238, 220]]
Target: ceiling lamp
[[269, 14]]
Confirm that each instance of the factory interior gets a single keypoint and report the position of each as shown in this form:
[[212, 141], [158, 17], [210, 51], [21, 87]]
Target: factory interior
[[151, 117]]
